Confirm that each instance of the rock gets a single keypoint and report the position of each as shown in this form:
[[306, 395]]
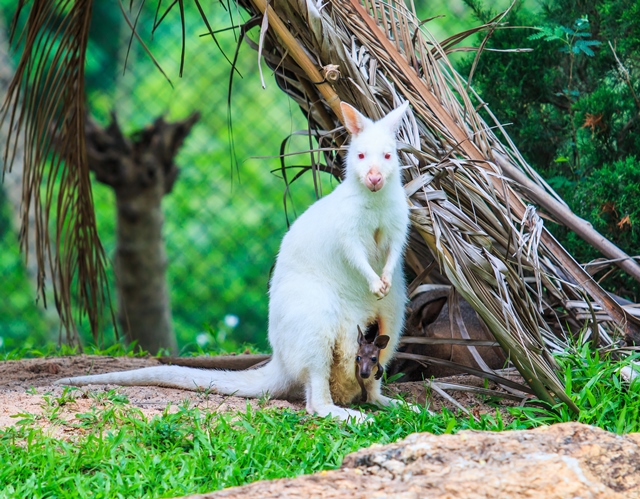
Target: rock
[[569, 460]]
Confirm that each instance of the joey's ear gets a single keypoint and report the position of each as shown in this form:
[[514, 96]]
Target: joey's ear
[[354, 121], [382, 341], [393, 119], [361, 339]]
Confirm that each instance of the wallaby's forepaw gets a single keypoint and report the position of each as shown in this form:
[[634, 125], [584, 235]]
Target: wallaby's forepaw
[[381, 287]]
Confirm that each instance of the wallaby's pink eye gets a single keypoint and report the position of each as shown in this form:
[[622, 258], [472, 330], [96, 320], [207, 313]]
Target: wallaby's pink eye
[[360, 155], [387, 156]]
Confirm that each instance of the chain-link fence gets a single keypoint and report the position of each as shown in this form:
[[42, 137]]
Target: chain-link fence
[[224, 217]]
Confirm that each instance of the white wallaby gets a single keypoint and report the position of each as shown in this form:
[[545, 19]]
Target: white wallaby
[[339, 267]]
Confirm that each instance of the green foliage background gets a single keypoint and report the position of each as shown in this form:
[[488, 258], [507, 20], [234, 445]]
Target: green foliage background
[[224, 217], [573, 111]]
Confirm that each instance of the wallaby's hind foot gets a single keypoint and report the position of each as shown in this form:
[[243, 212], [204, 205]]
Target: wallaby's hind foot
[[342, 413], [382, 401], [320, 403]]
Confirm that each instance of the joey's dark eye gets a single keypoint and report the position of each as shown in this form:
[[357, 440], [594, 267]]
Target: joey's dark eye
[[358, 359], [387, 155], [360, 155], [374, 359]]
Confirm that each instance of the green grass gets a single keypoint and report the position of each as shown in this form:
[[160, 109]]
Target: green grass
[[124, 454], [54, 350], [118, 349], [604, 398], [115, 451]]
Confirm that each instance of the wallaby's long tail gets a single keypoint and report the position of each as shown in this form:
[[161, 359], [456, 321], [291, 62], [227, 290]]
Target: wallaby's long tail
[[250, 383]]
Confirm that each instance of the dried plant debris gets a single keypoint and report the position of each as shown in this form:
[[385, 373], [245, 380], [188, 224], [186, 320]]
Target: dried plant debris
[[472, 195]]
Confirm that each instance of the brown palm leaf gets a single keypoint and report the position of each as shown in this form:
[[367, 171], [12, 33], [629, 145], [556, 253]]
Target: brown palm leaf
[[45, 107]]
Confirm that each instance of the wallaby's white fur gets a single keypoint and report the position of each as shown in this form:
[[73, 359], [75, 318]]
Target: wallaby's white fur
[[338, 267]]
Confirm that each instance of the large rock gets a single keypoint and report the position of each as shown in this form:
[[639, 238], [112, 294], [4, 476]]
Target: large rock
[[568, 460]]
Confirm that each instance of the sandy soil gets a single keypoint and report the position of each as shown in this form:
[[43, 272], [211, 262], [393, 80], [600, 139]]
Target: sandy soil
[[26, 387]]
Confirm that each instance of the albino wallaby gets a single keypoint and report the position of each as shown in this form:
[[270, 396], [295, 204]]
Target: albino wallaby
[[338, 266], [368, 357]]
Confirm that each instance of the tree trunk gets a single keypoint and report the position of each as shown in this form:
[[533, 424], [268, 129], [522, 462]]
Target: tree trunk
[[144, 307], [141, 171]]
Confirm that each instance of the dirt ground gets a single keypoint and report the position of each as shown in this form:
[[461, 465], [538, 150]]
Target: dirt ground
[[26, 387]]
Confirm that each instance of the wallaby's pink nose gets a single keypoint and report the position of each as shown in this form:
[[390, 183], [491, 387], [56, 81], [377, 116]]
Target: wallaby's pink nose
[[374, 181]]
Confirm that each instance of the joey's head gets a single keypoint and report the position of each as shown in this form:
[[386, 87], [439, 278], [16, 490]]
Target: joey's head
[[368, 355], [372, 157]]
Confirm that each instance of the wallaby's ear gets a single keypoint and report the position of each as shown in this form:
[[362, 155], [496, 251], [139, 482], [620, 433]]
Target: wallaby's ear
[[393, 119], [382, 341], [361, 339], [354, 121]]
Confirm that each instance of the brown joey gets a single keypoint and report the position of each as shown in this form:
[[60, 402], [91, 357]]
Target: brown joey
[[367, 358]]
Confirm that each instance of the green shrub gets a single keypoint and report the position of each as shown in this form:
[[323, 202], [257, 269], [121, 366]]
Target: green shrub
[[573, 110]]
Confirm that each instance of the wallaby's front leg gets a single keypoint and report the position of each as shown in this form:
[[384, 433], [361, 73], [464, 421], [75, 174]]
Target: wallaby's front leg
[[393, 258], [357, 256]]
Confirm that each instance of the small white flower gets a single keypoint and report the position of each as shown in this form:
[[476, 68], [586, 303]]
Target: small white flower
[[231, 320], [203, 338]]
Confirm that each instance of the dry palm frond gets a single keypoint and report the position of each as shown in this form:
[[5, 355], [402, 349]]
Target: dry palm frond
[[45, 105], [477, 222]]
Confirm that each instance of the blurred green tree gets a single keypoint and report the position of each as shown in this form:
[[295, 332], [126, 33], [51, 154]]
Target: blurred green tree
[[224, 219]]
